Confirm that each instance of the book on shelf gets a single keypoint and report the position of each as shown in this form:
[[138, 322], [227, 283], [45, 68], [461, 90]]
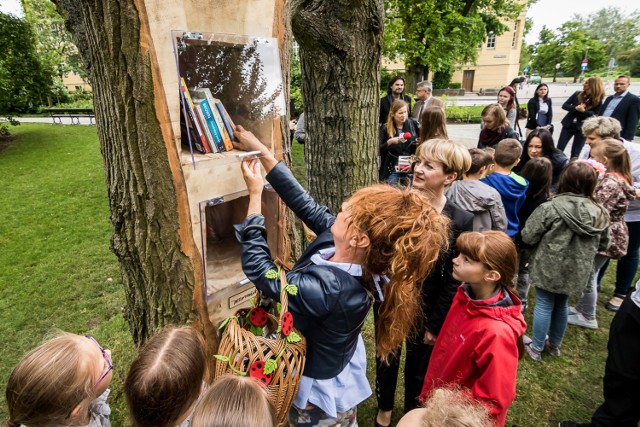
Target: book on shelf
[[205, 127], [214, 103], [188, 133], [211, 123], [226, 119], [188, 103]]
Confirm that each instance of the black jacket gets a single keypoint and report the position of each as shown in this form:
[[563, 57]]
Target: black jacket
[[533, 106], [576, 118], [440, 287], [627, 113], [331, 305], [389, 153], [385, 106]]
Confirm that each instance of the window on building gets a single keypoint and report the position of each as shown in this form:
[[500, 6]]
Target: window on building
[[491, 40], [514, 42]]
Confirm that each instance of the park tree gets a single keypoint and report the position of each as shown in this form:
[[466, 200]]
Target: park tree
[[547, 52], [340, 48], [617, 31], [24, 83], [54, 45], [577, 45], [151, 237], [435, 35]]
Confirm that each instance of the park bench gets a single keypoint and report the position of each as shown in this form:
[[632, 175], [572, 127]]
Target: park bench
[[75, 114]]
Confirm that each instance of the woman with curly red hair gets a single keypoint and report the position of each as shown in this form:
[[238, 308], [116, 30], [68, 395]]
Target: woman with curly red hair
[[381, 245]]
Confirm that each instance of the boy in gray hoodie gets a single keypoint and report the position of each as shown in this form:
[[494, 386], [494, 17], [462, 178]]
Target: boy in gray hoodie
[[476, 197]]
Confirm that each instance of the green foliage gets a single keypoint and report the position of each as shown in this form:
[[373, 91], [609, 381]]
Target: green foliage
[[617, 32], [462, 114], [442, 78], [437, 34], [24, 83], [295, 91], [568, 46], [629, 59], [54, 45]]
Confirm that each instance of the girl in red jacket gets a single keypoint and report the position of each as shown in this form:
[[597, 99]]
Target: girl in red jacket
[[477, 348]]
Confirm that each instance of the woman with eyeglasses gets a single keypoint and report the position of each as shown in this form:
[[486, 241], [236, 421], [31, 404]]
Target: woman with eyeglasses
[[63, 382]]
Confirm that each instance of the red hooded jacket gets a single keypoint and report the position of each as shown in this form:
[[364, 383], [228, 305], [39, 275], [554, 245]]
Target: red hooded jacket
[[477, 350]]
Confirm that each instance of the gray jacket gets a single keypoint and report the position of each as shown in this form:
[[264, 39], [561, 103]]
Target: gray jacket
[[567, 232], [481, 200]]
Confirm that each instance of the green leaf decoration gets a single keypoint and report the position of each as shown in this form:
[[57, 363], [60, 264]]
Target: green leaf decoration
[[270, 366], [292, 290], [224, 323], [278, 307], [221, 358], [256, 330], [272, 274], [252, 301], [293, 337]]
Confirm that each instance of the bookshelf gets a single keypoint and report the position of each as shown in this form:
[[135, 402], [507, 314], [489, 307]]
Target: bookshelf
[[211, 185], [226, 79]]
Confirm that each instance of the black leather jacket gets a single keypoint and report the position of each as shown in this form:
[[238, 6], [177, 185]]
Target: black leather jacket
[[331, 305]]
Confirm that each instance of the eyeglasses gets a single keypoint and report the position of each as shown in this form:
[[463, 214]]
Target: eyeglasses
[[107, 358]]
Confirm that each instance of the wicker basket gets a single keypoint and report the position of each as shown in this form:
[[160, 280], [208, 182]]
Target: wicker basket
[[241, 352]]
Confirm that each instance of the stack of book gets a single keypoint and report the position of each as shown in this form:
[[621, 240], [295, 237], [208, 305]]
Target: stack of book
[[209, 126]]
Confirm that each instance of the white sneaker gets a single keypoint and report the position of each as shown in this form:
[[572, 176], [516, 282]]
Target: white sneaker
[[572, 310], [578, 319]]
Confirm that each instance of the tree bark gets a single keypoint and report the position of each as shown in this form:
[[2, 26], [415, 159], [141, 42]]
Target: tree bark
[[340, 47], [152, 235]]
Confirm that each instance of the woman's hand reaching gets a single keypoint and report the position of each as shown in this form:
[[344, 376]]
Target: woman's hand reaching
[[247, 141], [253, 178]]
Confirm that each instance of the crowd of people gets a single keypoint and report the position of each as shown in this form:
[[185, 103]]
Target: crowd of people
[[444, 251]]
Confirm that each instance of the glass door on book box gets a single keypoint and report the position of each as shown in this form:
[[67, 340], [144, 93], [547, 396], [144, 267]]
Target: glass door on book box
[[226, 287], [226, 80]]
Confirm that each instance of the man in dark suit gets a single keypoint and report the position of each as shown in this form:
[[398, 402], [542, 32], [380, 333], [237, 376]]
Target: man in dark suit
[[394, 91], [623, 106], [424, 98]]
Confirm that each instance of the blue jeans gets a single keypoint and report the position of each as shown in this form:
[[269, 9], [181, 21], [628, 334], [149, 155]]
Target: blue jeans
[[399, 179], [588, 302], [549, 318], [578, 140]]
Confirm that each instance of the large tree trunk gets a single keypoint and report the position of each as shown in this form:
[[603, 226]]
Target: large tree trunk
[[340, 46], [152, 236]]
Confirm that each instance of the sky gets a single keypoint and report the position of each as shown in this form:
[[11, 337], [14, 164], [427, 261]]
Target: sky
[[551, 13]]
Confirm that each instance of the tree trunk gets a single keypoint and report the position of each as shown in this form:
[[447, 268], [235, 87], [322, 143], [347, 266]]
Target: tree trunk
[[340, 47], [152, 235]]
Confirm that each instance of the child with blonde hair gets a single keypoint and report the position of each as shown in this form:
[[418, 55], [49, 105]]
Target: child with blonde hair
[[439, 163], [235, 401], [477, 348], [63, 382], [448, 408], [166, 380]]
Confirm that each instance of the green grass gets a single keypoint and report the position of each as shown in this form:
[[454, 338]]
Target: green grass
[[58, 273]]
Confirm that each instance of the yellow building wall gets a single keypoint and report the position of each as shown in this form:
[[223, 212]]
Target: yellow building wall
[[498, 65], [73, 81]]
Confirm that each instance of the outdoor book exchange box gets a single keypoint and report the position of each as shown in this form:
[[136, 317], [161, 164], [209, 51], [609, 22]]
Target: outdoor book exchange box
[[233, 50]]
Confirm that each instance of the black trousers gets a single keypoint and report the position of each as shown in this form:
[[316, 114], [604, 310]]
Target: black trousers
[[578, 139], [415, 369], [622, 371]]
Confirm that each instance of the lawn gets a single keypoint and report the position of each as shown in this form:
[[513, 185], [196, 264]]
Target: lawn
[[58, 274]]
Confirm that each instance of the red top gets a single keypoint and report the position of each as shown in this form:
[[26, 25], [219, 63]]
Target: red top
[[477, 350]]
